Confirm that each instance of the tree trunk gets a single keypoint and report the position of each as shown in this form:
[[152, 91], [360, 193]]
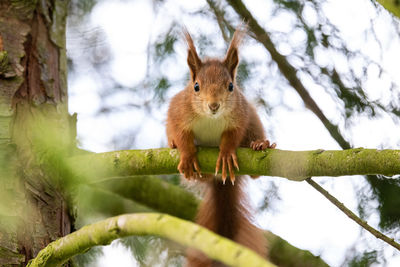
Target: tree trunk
[[33, 109]]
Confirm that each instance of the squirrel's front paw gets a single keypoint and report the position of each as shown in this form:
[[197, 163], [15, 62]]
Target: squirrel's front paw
[[228, 159], [186, 165], [262, 144]]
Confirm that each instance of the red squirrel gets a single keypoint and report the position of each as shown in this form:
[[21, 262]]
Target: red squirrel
[[212, 111]]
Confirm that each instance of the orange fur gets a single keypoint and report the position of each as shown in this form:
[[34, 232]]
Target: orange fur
[[213, 115]]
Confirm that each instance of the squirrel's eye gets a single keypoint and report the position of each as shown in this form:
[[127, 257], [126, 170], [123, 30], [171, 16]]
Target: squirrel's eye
[[230, 87], [196, 87]]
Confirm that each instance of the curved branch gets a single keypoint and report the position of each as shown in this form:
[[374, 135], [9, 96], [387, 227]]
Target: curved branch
[[280, 252], [178, 230], [294, 165]]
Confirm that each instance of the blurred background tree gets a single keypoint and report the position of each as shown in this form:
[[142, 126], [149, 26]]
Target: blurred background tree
[[323, 74]]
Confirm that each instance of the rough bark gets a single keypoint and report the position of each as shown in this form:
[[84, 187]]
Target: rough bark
[[294, 165], [33, 106]]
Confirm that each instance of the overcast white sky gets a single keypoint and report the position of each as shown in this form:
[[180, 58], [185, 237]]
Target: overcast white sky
[[303, 217]]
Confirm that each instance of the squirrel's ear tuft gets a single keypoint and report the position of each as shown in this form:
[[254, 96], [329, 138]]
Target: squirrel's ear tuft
[[231, 60], [193, 59]]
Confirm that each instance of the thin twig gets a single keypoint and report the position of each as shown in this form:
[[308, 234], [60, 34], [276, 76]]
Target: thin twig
[[219, 15], [353, 216]]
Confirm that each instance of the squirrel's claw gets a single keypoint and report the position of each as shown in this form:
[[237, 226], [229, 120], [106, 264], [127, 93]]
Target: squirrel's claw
[[262, 145], [217, 165], [197, 167], [231, 172], [229, 161], [235, 161], [224, 175], [187, 165]]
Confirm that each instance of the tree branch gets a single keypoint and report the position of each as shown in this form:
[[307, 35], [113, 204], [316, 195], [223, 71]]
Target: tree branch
[[178, 230], [280, 252], [294, 165], [154, 193], [352, 216], [222, 24]]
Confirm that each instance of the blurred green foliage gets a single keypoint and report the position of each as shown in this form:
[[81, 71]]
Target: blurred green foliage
[[365, 260]]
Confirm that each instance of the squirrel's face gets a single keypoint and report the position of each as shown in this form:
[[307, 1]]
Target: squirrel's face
[[213, 88]]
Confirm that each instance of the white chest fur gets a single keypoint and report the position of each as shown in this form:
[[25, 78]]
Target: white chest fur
[[207, 131]]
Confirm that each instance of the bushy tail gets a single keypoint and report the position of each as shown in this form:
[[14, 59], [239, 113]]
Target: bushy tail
[[225, 211]]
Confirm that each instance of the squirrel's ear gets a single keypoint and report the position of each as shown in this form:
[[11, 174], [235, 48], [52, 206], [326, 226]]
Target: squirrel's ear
[[231, 60], [193, 59]]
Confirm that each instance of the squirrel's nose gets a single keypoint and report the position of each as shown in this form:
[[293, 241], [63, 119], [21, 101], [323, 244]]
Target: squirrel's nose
[[213, 106]]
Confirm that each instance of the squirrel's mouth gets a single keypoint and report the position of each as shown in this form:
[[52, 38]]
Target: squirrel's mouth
[[206, 111], [215, 114]]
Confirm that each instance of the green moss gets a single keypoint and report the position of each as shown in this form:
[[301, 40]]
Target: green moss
[[3, 61], [5, 132], [43, 257], [12, 257], [24, 8]]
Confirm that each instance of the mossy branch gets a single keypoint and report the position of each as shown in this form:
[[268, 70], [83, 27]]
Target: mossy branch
[[155, 193], [294, 165], [109, 192], [178, 230]]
